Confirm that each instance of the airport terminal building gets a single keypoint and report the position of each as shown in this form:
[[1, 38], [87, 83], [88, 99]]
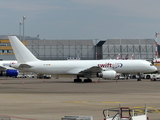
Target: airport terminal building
[[86, 49]]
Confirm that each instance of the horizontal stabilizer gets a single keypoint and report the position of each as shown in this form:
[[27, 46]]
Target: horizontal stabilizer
[[24, 66]]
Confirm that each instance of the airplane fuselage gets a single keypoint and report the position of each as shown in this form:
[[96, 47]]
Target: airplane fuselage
[[75, 66]]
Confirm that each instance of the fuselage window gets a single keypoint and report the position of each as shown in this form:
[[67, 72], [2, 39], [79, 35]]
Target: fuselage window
[[151, 64]]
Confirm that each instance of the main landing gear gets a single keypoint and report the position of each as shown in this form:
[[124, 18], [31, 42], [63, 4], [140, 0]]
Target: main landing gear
[[78, 80], [87, 80]]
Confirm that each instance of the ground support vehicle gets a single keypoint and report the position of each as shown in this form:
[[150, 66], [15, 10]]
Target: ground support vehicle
[[77, 117], [152, 77], [25, 76], [43, 76], [21, 76], [125, 113]]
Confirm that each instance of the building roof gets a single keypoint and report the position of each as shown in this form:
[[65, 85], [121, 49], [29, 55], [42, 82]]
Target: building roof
[[61, 42], [26, 37], [129, 41], [3, 37]]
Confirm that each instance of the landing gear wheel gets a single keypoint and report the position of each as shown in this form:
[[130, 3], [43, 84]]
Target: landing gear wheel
[[148, 77], [139, 75], [87, 80], [77, 80]]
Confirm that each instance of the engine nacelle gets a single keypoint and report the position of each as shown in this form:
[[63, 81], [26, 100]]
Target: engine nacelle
[[107, 74], [9, 73]]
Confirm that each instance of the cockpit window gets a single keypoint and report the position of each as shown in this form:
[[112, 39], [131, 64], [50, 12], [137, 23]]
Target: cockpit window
[[151, 64]]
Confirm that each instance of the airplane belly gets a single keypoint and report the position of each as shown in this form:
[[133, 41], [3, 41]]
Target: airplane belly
[[127, 70], [51, 70]]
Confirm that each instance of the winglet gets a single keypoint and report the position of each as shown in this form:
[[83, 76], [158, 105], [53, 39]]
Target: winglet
[[22, 54]]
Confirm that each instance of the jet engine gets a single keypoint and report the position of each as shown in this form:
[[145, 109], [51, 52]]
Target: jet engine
[[107, 74], [9, 73]]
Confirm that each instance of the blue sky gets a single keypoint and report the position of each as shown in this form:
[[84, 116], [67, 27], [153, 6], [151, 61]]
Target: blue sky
[[82, 19]]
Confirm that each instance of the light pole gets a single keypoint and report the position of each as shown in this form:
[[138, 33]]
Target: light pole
[[96, 50], [156, 35], [24, 18], [20, 23]]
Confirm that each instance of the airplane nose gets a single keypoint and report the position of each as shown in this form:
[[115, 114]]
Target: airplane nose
[[155, 68]]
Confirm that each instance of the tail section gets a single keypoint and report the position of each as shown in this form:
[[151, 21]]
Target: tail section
[[126, 57], [118, 57], [22, 54], [132, 57]]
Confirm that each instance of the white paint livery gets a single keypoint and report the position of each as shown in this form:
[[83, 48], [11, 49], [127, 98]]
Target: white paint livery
[[82, 68]]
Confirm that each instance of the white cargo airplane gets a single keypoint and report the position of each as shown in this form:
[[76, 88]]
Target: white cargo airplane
[[81, 68], [6, 70]]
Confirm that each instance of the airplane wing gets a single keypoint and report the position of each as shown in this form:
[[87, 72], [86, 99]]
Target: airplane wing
[[91, 70]]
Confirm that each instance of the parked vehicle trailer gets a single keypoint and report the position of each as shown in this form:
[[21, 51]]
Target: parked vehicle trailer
[[125, 113], [43, 76]]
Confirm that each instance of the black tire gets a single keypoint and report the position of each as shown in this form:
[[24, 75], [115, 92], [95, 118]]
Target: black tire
[[77, 80], [87, 80], [148, 77]]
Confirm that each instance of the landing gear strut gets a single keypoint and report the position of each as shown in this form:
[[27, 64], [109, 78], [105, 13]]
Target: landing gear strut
[[139, 77], [88, 76], [78, 80]]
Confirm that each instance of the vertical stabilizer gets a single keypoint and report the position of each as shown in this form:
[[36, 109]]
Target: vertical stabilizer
[[22, 54], [132, 57], [119, 56], [126, 57]]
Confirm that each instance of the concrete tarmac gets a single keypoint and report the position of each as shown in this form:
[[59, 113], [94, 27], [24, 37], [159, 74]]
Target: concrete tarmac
[[52, 99]]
